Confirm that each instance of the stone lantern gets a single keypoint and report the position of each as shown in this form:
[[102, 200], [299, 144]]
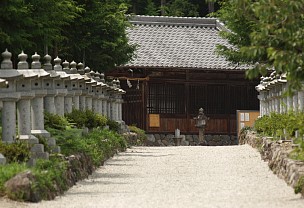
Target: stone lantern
[[37, 102], [60, 86], [119, 101], [104, 96], [77, 80], [9, 96], [84, 88], [201, 122], [24, 86], [49, 86], [69, 84], [111, 97]]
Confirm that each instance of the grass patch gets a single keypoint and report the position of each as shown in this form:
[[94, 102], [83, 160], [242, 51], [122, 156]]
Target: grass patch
[[8, 171]]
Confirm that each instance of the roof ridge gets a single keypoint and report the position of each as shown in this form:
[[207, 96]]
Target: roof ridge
[[171, 20]]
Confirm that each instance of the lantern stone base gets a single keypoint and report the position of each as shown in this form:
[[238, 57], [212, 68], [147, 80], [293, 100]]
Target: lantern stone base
[[177, 141]]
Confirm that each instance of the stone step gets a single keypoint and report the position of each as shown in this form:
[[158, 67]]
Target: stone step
[[40, 155], [37, 148], [31, 162], [42, 133], [56, 149], [2, 160], [51, 141], [29, 138]]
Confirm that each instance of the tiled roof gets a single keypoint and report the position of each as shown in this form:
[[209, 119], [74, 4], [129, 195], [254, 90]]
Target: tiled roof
[[177, 42]]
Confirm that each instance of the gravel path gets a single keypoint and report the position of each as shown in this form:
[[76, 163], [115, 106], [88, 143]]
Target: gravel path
[[230, 176]]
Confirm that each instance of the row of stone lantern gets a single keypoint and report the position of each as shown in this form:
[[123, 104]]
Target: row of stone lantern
[[28, 91], [273, 95]]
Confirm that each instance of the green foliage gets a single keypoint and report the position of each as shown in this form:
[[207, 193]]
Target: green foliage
[[298, 153], [34, 23], [98, 144], [275, 124], [300, 185], [86, 118], [181, 8], [113, 125], [49, 176], [141, 134], [266, 35], [55, 121], [15, 152], [151, 8], [8, 171], [99, 35], [98, 27]]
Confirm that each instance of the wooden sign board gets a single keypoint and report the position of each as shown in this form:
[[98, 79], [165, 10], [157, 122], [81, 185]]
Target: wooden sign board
[[154, 120], [246, 118]]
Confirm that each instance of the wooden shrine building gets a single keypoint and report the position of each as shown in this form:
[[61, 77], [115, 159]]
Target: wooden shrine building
[[176, 71]]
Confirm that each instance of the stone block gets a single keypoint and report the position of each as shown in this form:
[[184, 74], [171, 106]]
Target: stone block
[[184, 142], [31, 162], [159, 142], [43, 133], [216, 138], [157, 137], [29, 138], [40, 155], [21, 185], [189, 138], [212, 143], [151, 137], [37, 148], [165, 142], [208, 138], [56, 149], [162, 136], [2, 160], [85, 131], [195, 138], [169, 136], [51, 141]]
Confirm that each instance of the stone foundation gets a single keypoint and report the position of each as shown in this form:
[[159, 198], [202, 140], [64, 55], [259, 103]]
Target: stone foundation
[[190, 140], [276, 154]]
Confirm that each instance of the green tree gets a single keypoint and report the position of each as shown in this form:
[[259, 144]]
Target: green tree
[[181, 8], [267, 34], [151, 8], [98, 36], [33, 24]]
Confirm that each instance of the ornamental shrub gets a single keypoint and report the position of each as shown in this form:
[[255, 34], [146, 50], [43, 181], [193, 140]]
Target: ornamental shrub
[[113, 125], [141, 134], [86, 118], [55, 121], [15, 152]]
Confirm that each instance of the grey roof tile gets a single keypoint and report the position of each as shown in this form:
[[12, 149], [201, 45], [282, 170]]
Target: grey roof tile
[[177, 42]]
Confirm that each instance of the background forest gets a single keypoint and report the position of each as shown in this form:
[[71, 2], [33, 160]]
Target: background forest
[[91, 31]]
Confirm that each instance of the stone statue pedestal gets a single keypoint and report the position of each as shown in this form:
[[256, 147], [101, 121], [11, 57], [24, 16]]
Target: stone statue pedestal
[[177, 141]]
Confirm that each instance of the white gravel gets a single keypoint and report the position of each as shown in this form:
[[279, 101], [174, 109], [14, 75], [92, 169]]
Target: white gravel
[[230, 176]]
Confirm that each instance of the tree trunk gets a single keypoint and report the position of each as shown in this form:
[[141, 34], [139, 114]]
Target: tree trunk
[[162, 10], [211, 7]]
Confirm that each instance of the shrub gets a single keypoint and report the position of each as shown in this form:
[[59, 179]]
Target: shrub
[[299, 186], [98, 144], [49, 177], [274, 124], [55, 121], [86, 118], [8, 171], [15, 152], [141, 134], [113, 125]]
